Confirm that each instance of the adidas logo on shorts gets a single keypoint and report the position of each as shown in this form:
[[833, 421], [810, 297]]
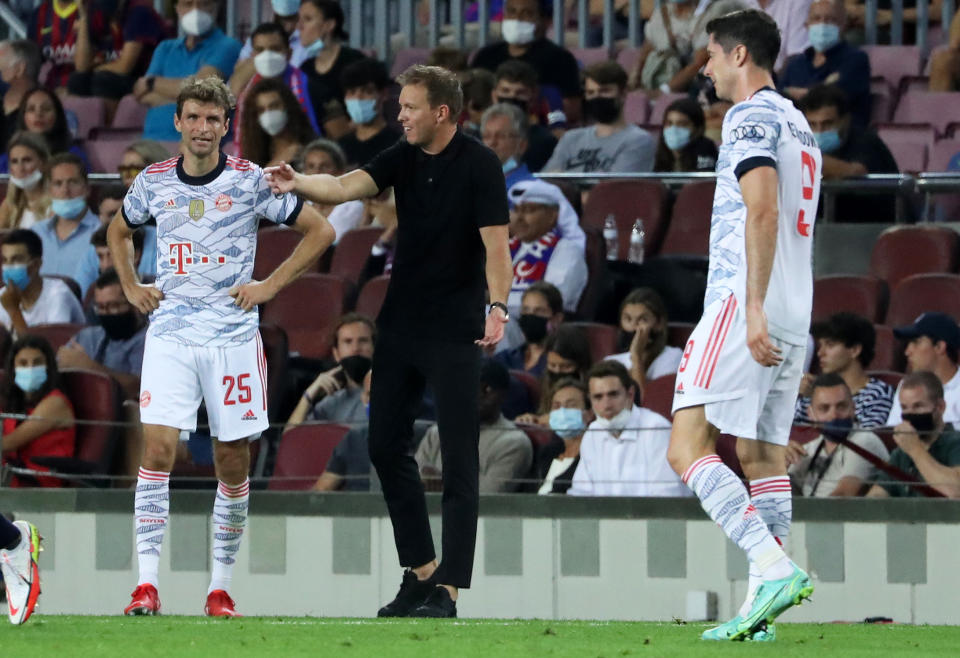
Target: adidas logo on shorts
[[249, 415]]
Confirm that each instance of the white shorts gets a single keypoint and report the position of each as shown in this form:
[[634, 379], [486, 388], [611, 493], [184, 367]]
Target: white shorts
[[740, 397], [232, 380]]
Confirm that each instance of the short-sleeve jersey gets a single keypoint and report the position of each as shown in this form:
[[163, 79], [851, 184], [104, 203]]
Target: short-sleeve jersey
[[206, 242], [766, 130]]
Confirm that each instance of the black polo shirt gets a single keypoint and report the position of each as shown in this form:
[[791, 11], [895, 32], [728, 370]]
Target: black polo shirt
[[361, 152], [437, 286], [555, 66], [868, 149]]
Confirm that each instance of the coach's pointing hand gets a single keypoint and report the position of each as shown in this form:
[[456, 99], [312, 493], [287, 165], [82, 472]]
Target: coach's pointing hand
[[758, 340], [281, 178], [250, 295], [145, 298]]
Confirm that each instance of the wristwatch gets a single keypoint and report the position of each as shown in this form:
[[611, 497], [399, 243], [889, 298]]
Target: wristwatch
[[151, 80], [502, 307]]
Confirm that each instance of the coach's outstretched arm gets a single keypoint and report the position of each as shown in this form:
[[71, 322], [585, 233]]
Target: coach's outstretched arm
[[759, 188], [321, 188], [145, 298], [499, 270]]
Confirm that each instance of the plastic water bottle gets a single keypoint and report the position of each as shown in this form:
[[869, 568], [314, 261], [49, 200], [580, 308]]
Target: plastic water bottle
[[610, 237], [637, 236]]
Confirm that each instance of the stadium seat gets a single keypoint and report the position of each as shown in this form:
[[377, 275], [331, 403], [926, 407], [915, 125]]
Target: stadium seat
[[589, 56], [659, 107], [889, 376], [881, 101], [627, 58], [105, 154], [904, 250], [130, 113], [921, 293], [863, 295], [628, 201], [303, 454], [893, 134], [407, 57], [636, 107], [596, 257], [938, 108], [372, 295], [351, 253], [307, 310], [274, 245], [658, 395], [90, 110], [894, 62], [58, 334], [803, 433], [887, 352], [531, 383], [689, 228], [679, 332], [909, 147], [602, 338]]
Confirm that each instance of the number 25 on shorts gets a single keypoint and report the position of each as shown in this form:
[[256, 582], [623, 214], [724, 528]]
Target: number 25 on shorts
[[244, 394]]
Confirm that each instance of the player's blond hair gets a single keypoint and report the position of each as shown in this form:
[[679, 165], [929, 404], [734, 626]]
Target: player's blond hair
[[206, 90]]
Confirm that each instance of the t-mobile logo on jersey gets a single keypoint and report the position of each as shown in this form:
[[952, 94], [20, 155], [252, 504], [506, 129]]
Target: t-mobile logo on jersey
[[181, 254]]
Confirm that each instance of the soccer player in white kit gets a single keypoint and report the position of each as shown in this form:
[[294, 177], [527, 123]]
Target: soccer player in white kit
[[203, 341], [741, 368]]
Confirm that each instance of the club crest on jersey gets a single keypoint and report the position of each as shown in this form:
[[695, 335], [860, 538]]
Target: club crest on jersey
[[224, 203], [195, 209]]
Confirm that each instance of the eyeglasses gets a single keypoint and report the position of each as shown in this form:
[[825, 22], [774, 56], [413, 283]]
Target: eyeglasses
[[128, 170]]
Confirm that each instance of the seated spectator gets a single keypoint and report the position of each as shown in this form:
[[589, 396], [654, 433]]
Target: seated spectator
[[19, 70], [324, 156], [53, 27], [849, 151], [104, 258], [28, 200], [570, 413], [382, 211], [830, 60], [27, 298], [446, 57], [110, 57], [98, 258], [269, 59], [517, 83], [539, 248], [506, 453], [286, 13], [643, 338], [66, 236], [825, 467], [204, 50], [791, 18], [610, 144], [845, 346], [322, 34], [364, 86], [138, 156], [111, 200], [334, 396], [477, 86], [525, 24], [41, 114], [31, 388], [541, 311], [503, 129], [115, 345], [624, 451], [349, 465], [944, 64], [928, 448], [274, 125], [932, 344], [568, 357], [683, 146]]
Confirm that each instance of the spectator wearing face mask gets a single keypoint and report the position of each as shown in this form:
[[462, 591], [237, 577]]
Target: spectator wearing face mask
[[286, 14], [365, 91], [503, 129], [274, 127], [933, 343], [517, 83], [643, 338], [570, 413], [270, 58], [541, 311], [115, 346], [683, 145], [568, 357], [27, 201]]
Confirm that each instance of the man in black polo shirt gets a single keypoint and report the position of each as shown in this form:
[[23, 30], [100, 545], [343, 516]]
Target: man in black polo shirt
[[452, 229]]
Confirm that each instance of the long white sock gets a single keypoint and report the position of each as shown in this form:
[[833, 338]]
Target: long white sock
[[151, 508], [774, 501], [229, 519], [724, 498]]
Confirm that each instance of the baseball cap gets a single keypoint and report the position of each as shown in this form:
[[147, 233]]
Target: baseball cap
[[935, 326]]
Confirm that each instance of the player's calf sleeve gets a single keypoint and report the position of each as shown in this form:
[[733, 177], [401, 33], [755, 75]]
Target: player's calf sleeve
[[229, 519], [151, 505]]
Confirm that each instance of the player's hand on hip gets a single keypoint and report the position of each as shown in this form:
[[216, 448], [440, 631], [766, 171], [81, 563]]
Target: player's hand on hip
[[249, 295], [281, 178], [493, 332], [761, 348], [145, 298]]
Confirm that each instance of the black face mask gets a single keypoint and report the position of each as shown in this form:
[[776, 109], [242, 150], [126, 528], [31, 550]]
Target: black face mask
[[519, 102], [356, 367], [923, 423], [119, 326], [624, 340], [534, 327], [838, 429], [603, 109], [554, 377]]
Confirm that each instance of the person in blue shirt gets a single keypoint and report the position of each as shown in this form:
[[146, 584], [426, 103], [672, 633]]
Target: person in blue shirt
[[204, 51]]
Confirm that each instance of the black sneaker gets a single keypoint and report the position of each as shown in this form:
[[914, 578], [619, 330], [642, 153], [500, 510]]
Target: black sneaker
[[437, 604], [412, 593]]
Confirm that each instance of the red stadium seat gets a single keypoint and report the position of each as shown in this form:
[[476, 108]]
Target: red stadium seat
[[627, 58], [531, 383], [727, 450], [894, 62], [689, 229], [274, 245], [130, 113], [887, 352], [678, 333], [863, 295], [658, 395], [938, 108], [637, 107], [904, 250], [881, 97], [307, 311], [628, 201], [57, 335], [602, 338], [659, 107], [277, 351], [921, 293], [90, 111], [351, 253], [943, 152], [589, 56], [803, 433], [303, 455], [105, 154], [372, 295], [894, 134], [539, 436]]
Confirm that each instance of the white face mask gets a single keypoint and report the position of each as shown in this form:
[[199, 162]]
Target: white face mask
[[616, 424], [270, 64], [29, 181], [273, 121], [196, 22], [516, 32]]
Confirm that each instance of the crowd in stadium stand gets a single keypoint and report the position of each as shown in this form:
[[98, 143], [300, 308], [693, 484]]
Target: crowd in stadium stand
[[576, 399]]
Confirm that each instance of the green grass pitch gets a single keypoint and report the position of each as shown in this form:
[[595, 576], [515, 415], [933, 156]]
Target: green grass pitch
[[183, 637]]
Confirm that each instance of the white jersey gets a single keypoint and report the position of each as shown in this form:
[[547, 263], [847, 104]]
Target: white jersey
[[767, 130], [206, 242]]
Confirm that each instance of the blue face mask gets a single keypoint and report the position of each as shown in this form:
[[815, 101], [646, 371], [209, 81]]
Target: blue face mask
[[823, 36], [362, 110], [285, 7], [69, 208], [510, 164], [30, 379], [567, 423], [829, 140], [676, 137], [366, 408], [17, 275], [314, 48]]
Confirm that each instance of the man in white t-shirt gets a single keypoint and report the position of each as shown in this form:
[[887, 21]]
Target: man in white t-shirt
[[27, 298], [203, 341]]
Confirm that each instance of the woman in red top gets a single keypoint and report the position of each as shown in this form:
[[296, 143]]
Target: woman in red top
[[31, 389]]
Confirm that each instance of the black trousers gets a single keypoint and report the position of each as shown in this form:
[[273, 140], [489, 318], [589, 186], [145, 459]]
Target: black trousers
[[401, 369]]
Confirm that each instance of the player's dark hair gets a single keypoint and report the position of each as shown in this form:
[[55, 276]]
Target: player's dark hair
[[108, 277], [255, 144], [66, 157], [519, 71], [663, 160], [353, 318], [549, 292], [823, 96], [99, 238], [28, 239], [609, 368], [271, 27], [211, 90], [658, 335], [331, 9], [452, 59], [607, 72], [14, 399], [363, 72], [850, 329], [923, 379], [752, 29], [443, 87], [58, 137], [828, 380]]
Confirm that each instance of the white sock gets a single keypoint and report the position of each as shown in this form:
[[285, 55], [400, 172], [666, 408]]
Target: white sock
[[229, 518], [773, 498], [724, 498], [151, 508]]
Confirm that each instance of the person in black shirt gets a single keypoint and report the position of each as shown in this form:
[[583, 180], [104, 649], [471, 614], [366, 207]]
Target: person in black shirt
[[849, 151], [452, 229], [682, 145], [524, 28], [517, 84], [365, 89]]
